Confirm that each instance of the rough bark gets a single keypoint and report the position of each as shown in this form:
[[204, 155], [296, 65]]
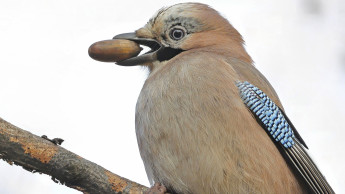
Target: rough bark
[[37, 154]]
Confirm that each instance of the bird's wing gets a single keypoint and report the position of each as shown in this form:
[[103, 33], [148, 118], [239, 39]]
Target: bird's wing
[[284, 134]]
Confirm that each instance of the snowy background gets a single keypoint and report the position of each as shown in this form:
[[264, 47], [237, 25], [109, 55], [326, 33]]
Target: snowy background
[[49, 85]]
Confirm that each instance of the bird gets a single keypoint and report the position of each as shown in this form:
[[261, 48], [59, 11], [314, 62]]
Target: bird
[[207, 120]]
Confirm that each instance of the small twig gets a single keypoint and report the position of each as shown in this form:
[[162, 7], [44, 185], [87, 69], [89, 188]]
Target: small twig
[[56, 141]]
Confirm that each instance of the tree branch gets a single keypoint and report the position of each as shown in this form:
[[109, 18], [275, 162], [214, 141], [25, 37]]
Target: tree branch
[[37, 154]]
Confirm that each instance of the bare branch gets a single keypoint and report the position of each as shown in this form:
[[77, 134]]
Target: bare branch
[[37, 154]]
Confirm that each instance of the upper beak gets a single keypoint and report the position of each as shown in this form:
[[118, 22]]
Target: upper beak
[[150, 56]]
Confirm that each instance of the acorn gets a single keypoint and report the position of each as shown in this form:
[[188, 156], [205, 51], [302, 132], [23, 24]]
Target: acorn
[[114, 50]]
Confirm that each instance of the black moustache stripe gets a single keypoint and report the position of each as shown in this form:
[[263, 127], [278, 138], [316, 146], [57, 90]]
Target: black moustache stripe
[[167, 53]]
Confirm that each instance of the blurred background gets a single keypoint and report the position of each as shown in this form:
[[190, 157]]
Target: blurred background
[[49, 85]]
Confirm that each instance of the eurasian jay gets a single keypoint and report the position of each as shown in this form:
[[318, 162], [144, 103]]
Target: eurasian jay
[[207, 121]]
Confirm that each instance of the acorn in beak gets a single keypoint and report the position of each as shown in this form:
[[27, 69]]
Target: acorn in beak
[[147, 57], [124, 50]]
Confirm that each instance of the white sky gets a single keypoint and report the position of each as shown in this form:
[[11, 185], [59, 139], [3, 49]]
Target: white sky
[[50, 86]]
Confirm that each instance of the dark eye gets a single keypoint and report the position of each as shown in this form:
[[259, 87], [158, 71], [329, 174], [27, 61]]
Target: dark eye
[[177, 33]]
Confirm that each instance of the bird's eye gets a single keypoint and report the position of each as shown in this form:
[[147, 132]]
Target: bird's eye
[[177, 33]]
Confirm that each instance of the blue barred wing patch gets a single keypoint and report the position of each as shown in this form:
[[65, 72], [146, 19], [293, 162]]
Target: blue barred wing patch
[[267, 112]]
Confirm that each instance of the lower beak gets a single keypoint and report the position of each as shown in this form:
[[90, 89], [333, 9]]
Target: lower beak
[[147, 57]]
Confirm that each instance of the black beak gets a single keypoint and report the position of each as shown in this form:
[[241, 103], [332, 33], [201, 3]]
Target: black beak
[[148, 57], [158, 52]]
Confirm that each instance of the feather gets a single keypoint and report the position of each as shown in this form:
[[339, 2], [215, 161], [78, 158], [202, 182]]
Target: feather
[[280, 129]]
